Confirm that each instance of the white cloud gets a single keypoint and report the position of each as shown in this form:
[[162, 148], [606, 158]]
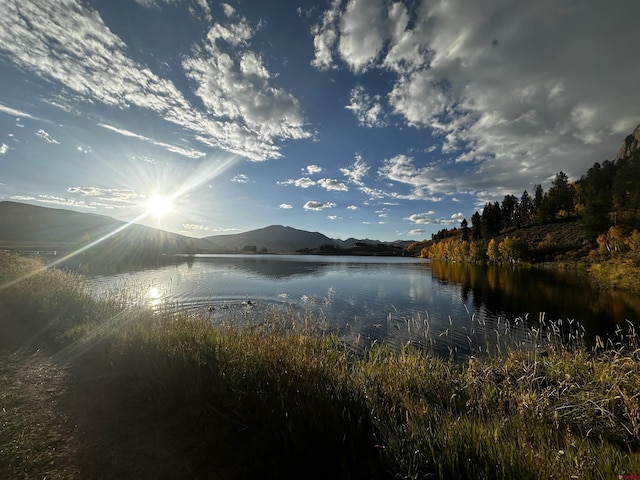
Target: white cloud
[[317, 206], [22, 198], [14, 112], [332, 184], [193, 226], [185, 152], [156, 3], [108, 194], [47, 137], [427, 218], [352, 207], [304, 182], [325, 36], [513, 89], [367, 109], [312, 169], [428, 182], [246, 114], [229, 11], [357, 171], [362, 33], [82, 149], [416, 232], [334, 217], [4, 148], [234, 84], [67, 202], [206, 9], [240, 178], [285, 206]]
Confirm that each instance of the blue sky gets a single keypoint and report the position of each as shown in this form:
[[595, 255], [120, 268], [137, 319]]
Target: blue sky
[[366, 118]]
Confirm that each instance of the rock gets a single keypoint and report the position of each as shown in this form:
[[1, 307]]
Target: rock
[[630, 145]]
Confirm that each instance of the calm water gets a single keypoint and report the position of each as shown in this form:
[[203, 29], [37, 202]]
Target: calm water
[[370, 299]]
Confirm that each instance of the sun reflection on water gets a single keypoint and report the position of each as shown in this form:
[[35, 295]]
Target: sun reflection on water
[[155, 296]]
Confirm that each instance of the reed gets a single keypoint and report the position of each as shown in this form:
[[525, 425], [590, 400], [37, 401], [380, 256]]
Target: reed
[[168, 394]]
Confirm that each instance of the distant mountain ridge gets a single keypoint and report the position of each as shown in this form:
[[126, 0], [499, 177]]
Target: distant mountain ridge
[[31, 224], [282, 239], [274, 238], [22, 223]]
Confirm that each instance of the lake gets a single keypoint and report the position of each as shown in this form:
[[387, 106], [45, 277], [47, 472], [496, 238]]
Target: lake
[[448, 307]]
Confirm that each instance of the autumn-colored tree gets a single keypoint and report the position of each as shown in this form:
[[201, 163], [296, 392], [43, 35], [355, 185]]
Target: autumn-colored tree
[[493, 253], [633, 241], [513, 249]]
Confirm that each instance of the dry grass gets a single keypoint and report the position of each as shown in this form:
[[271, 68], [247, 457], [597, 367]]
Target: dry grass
[[121, 392]]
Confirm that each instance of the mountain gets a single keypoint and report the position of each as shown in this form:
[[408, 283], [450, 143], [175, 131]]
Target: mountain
[[272, 239], [23, 224], [351, 242], [630, 146], [41, 228]]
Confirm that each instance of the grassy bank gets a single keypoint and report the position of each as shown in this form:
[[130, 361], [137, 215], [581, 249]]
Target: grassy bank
[[94, 389]]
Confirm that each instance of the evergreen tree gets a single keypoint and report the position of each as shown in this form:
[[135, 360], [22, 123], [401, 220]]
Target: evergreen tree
[[560, 195], [465, 230], [476, 226], [508, 210], [625, 191], [596, 189], [538, 197], [525, 208], [491, 220]]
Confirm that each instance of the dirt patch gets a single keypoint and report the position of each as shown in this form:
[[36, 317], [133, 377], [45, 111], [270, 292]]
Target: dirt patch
[[37, 437]]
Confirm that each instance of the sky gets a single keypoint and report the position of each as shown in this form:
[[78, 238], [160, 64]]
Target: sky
[[354, 118]]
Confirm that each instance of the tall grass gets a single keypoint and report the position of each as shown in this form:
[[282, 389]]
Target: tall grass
[[284, 397]]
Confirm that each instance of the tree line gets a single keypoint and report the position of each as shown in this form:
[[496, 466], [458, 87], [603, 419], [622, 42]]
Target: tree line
[[606, 196]]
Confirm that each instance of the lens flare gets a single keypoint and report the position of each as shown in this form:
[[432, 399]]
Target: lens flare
[[159, 206]]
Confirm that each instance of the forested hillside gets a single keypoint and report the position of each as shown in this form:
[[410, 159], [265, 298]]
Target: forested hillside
[[599, 211]]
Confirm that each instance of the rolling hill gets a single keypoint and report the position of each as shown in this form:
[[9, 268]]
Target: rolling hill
[[30, 227], [272, 239], [23, 225]]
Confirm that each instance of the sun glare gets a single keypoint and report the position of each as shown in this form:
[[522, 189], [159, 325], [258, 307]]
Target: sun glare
[[159, 206]]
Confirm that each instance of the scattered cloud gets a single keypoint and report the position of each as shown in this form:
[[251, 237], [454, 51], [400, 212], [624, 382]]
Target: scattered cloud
[[426, 181], [332, 184], [4, 148], [197, 227], [186, 152], [23, 198], [428, 219], [416, 232], [47, 137], [317, 206], [367, 109], [234, 84], [508, 101], [334, 217], [107, 194], [14, 112], [52, 199], [244, 111], [304, 182], [240, 178], [325, 36], [312, 169], [356, 171], [285, 206], [352, 207]]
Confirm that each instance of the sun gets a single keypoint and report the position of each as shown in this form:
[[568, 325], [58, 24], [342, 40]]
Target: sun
[[159, 206]]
